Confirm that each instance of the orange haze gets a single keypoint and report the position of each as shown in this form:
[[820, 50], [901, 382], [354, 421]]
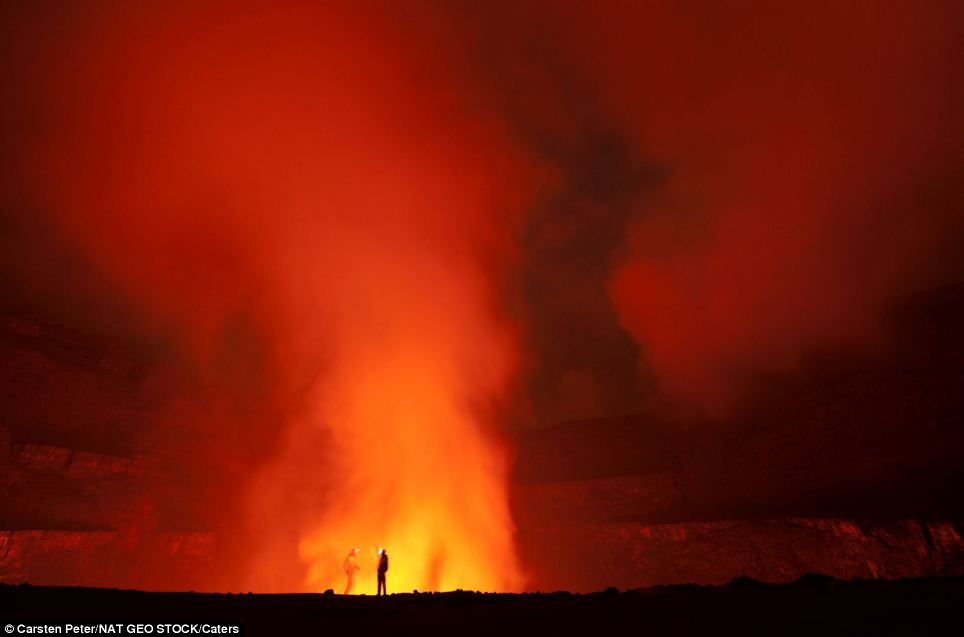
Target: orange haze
[[299, 171]]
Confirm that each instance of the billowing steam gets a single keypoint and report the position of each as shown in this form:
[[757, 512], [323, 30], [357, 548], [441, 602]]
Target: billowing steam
[[298, 182]]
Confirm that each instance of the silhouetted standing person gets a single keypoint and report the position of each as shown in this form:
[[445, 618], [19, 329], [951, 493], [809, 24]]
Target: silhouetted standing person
[[382, 569], [350, 567]]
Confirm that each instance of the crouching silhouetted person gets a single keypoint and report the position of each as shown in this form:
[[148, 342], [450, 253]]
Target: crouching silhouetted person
[[382, 569], [350, 567]]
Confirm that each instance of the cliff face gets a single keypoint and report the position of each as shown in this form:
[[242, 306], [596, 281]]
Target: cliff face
[[47, 487], [104, 558], [636, 531], [592, 555], [75, 506], [81, 518], [883, 449], [74, 390]]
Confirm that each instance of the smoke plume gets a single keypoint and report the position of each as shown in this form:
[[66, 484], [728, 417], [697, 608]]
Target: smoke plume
[[297, 193]]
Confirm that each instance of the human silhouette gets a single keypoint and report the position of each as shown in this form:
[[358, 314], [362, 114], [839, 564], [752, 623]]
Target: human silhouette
[[382, 569], [350, 567]]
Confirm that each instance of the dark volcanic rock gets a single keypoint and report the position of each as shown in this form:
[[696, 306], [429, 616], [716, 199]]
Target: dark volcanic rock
[[630, 555], [846, 608]]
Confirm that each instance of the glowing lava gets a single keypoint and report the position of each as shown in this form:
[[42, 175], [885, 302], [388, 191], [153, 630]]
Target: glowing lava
[[415, 473]]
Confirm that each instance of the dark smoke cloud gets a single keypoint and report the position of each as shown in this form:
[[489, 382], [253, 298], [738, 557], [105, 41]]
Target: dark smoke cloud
[[799, 166], [735, 186], [579, 362]]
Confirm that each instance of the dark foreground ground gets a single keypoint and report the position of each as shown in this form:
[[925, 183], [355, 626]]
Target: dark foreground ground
[[813, 605]]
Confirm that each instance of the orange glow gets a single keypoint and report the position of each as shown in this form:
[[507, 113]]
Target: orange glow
[[408, 464], [305, 172], [416, 475]]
